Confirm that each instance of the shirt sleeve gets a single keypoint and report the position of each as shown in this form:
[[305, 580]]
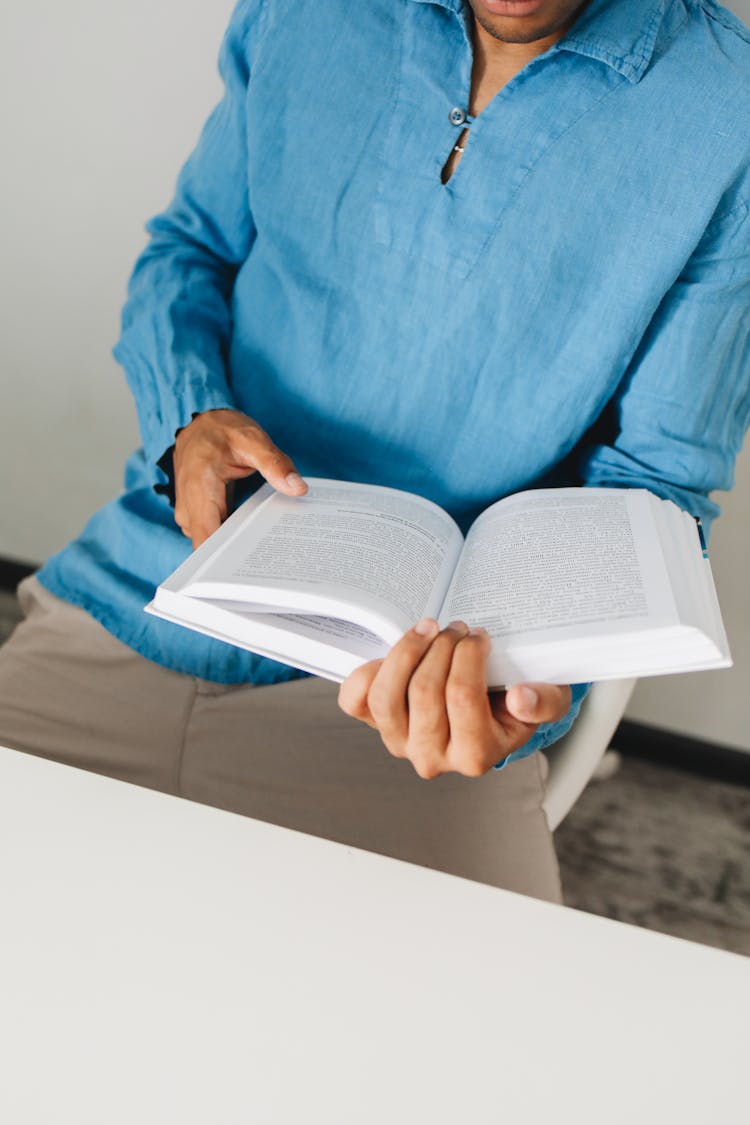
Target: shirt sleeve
[[176, 323], [680, 415], [682, 410]]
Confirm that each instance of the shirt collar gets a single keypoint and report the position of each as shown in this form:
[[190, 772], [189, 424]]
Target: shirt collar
[[620, 33]]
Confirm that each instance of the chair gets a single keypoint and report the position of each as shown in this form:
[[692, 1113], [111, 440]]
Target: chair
[[574, 758]]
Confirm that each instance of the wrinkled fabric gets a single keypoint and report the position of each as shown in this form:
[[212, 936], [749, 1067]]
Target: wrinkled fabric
[[570, 308]]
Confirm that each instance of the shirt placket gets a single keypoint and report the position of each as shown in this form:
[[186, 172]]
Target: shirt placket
[[451, 224]]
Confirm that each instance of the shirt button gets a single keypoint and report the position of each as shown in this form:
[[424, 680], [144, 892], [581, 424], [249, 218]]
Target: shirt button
[[457, 116]]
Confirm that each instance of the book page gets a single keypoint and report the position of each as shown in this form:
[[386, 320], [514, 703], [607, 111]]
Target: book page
[[689, 566], [341, 544], [341, 634], [557, 560], [324, 646]]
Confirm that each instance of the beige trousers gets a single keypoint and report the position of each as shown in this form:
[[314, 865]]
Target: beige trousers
[[284, 753]]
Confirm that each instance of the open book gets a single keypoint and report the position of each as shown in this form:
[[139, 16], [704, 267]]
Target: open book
[[572, 584]]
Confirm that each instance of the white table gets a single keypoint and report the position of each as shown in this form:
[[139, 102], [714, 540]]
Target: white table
[[166, 963]]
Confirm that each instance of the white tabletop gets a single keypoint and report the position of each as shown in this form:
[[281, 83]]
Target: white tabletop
[[164, 962]]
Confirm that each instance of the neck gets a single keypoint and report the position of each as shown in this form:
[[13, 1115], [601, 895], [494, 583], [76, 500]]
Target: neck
[[512, 41], [496, 60], [498, 52]]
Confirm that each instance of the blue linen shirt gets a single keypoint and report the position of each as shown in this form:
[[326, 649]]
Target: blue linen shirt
[[571, 307]]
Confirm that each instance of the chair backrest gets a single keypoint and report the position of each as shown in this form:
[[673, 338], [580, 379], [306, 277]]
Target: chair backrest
[[574, 758]]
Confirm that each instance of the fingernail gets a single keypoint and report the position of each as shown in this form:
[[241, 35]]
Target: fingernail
[[294, 480], [426, 626], [478, 631], [460, 627], [528, 698]]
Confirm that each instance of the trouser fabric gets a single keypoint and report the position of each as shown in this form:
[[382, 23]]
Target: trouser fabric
[[283, 753]]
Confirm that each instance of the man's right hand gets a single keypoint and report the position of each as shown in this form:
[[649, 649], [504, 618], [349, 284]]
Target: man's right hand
[[217, 447]]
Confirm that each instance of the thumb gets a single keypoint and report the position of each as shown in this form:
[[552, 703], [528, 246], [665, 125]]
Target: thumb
[[256, 449], [538, 703]]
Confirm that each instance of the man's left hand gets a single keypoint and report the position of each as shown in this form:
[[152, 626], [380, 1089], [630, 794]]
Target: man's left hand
[[429, 701]]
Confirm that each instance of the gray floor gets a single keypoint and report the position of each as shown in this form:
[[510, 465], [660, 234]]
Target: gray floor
[[662, 849], [651, 846]]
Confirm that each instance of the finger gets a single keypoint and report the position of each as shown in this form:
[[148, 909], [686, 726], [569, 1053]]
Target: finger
[[538, 703], [429, 729], [209, 520], [201, 505], [474, 744], [355, 689], [252, 447], [388, 695]]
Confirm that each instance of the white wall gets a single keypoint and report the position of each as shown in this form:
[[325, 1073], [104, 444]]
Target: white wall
[[101, 102]]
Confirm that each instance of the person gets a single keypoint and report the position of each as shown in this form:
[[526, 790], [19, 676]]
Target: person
[[458, 248]]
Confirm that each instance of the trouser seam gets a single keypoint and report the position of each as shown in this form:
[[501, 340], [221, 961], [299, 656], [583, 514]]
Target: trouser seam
[[183, 737]]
